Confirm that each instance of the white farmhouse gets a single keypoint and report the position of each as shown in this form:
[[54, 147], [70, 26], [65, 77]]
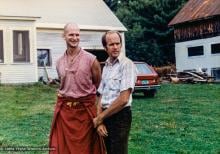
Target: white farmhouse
[[197, 36], [31, 34]]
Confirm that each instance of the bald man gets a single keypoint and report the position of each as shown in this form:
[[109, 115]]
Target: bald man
[[72, 130]]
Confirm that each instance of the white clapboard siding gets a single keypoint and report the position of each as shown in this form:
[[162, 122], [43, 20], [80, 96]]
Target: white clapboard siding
[[20, 73], [208, 60], [53, 40], [84, 12], [91, 40]]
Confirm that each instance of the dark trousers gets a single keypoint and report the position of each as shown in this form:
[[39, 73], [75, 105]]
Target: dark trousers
[[118, 127]]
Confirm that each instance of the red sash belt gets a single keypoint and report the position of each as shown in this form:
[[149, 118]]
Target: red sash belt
[[77, 102]]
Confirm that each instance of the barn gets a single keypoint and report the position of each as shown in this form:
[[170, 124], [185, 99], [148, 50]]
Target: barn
[[197, 37]]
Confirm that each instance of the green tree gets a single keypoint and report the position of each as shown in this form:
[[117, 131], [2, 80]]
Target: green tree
[[148, 37], [112, 4]]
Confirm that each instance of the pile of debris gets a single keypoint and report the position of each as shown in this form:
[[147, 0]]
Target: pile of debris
[[169, 74], [191, 76], [48, 80]]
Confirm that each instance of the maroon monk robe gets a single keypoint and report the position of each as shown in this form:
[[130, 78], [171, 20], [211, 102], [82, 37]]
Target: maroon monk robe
[[72, 130]]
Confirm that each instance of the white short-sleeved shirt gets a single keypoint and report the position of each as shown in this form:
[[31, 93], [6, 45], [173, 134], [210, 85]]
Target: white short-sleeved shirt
[[117, 77]]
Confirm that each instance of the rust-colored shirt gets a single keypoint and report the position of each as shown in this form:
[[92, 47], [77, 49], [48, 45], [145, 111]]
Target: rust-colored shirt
[[76, 76]]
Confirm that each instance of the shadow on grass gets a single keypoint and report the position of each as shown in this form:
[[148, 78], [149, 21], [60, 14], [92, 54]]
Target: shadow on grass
[[140, 96]]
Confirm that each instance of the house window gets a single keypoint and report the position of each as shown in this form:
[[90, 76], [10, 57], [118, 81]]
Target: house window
[[195, 51], [43, 57], [1, 47], [215, 48], [21, 46], [215, 72]]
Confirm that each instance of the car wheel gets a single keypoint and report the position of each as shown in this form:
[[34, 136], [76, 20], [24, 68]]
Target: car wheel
[[149, 93]]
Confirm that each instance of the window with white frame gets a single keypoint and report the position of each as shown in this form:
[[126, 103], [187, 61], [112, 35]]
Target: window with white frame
[[1, 47], [21, 46], [215, 72], [195, 51], [215, 48], [43, 57]]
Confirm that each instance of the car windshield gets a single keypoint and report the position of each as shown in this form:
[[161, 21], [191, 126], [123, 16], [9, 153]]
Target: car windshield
[[143, 68]]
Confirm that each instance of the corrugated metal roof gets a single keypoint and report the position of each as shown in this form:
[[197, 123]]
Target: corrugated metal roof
[[197, 9], [83, 12]]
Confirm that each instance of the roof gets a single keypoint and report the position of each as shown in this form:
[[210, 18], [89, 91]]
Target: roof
[[93, 13], [196, 10]]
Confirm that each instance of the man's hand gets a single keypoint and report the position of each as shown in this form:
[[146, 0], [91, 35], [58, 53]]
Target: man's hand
[[97, 121], [101, 129]]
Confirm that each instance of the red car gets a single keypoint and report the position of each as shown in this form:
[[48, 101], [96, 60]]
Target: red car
[[147, 79]]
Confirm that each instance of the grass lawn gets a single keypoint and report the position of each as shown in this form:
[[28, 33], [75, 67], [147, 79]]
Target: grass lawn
[[180, 119]]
